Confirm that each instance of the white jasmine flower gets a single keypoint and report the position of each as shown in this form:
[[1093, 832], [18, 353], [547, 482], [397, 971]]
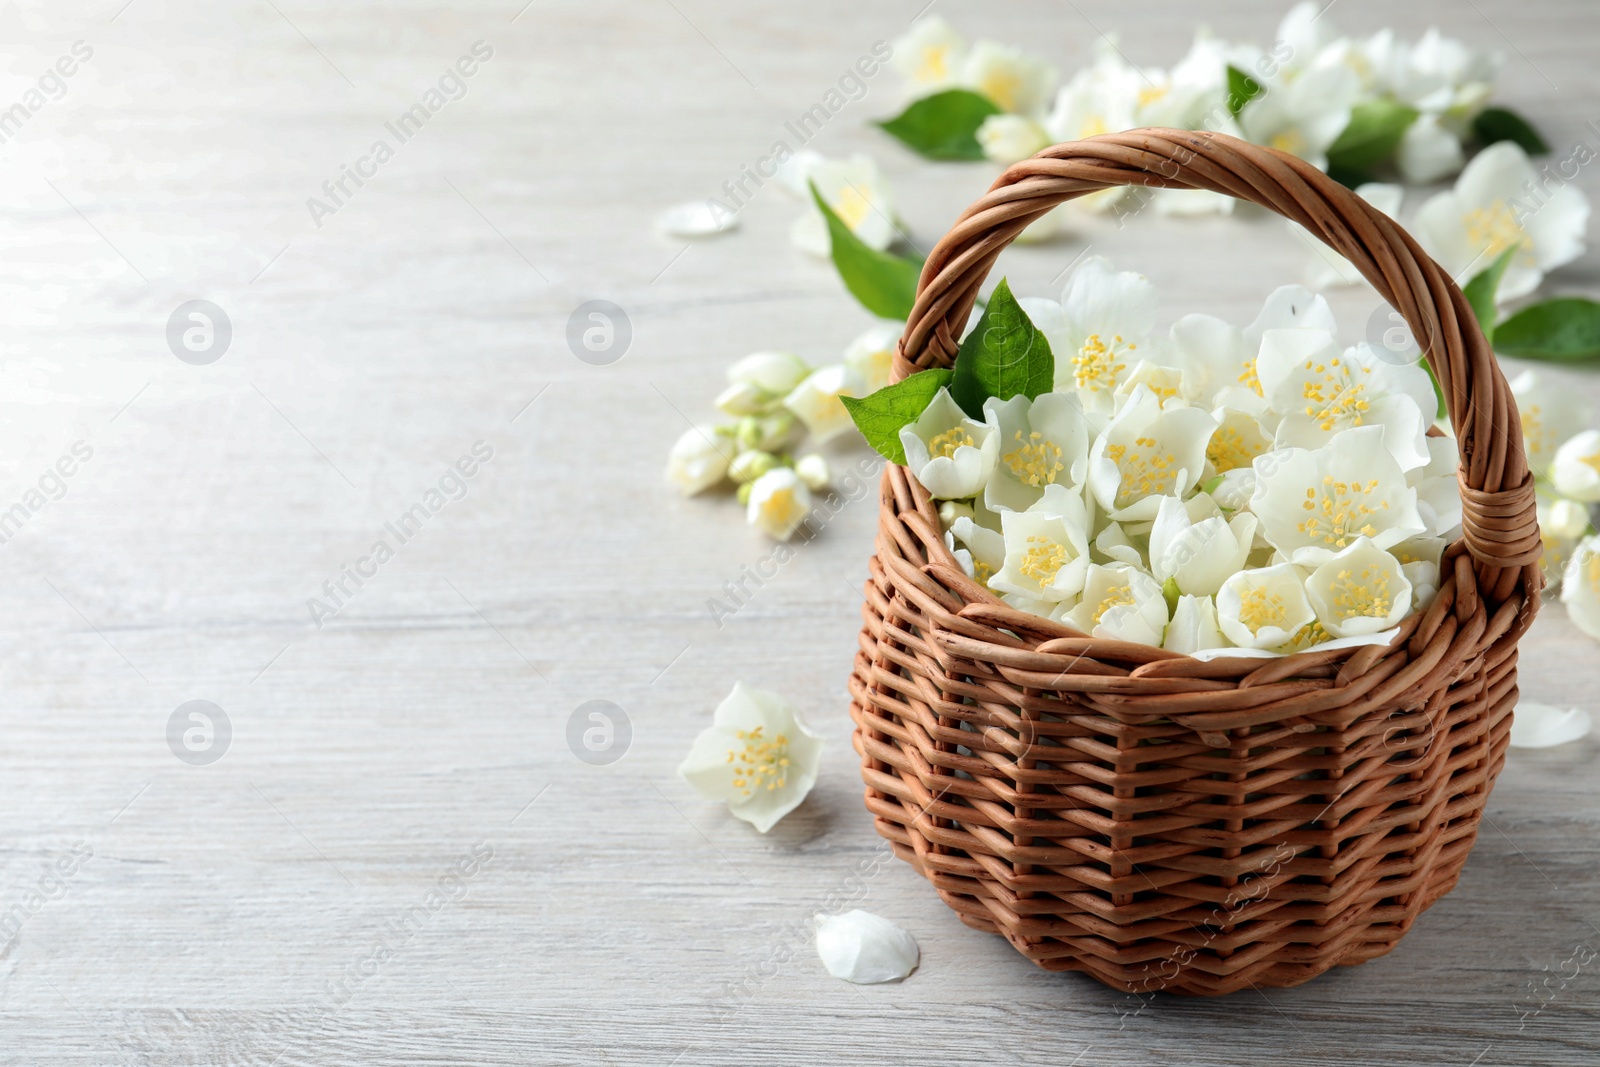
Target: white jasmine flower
[[1008, 138], [699, 459], [950, 454], [1322, 392], [984, 549], [930, 55], [813, 470], [1580, 586], [1327, 269], [1146, 453], [816, 400], [871, 354], [756, 756], [1551, 413], [779, 503], [864, 948], [1360, 591], [741, 398], [1198, 554], [1013, 81], [1218, 366], [1306, 33], [1313, 505], [1575, 471], [1239, 439], [1443, 75], [1264, 608], [1099, 99], [1562, 524], [1047, 547], [794, 171], [1419, 562], [1194, 626], [1303, 115], [856, 190], [1121, 603], [1543, 725], [770, 373], [1438, 488], [1041, 443], [1099, 332], [1429, 151], [1500, 201]]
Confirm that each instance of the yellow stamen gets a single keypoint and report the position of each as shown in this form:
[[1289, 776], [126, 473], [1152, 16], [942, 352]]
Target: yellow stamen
[[762, 764], [1098, 366], [1116, 596], [1336, 397], [945, 444], [1259, 609], [1035, 461], [1044, 560], [1363, 595], [1340, 512], [1495, 228], [1145, 471]]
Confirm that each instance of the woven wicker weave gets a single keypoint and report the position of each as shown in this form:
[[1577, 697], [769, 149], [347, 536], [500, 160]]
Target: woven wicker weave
[[1159, 822]]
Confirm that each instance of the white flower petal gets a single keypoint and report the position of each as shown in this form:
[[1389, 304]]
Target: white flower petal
[[779, 503], [1194, 626], [1360, 591], [1580, 586], [758, 757], [950, 454], [699, 459], [864, 948], [1575, 470], [1264, 608], [1536, 725], [697, 218]]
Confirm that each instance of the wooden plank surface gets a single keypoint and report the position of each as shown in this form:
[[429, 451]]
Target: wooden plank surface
[[399, 859]]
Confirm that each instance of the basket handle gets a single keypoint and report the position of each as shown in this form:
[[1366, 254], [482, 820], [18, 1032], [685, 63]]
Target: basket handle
[[1499, 526]]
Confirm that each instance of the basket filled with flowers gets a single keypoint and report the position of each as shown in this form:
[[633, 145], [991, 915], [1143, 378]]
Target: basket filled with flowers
[[1188, 662]]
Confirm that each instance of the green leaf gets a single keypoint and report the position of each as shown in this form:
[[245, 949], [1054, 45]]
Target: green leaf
[[1481, 289], [1566, 328], [1005, 354], [1241, 90], [1350, 179], [1500, 124], [944, 125], [1372, 135], [880, 416], [885, 284]]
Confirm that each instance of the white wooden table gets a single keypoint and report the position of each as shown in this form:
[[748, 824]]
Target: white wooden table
[[301, 900]]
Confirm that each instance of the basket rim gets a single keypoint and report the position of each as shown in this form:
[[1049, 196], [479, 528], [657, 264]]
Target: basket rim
[[1498, 547]]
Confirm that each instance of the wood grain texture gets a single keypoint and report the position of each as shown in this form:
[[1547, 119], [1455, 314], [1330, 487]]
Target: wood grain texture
[[303, 899]]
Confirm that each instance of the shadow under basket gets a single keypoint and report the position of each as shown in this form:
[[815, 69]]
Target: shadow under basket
[[1155, 821]]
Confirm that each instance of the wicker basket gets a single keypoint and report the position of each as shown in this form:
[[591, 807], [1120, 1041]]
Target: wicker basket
[[1159, 822]]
